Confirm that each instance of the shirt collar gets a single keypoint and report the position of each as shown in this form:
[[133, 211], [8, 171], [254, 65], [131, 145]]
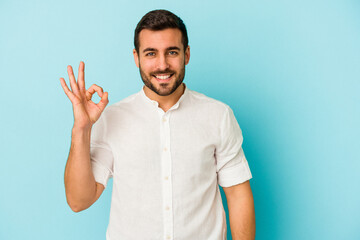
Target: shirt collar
[[155, 103]]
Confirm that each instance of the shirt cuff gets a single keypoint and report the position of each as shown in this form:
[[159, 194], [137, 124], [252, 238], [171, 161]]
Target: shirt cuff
[[101, 174], [236, 174]]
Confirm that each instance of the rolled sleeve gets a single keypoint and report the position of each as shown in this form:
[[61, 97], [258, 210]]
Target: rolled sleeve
[[101, 163], [101, 155], [231, 164]]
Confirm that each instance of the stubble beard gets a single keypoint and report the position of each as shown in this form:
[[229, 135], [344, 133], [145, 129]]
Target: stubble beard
[[162, 90]]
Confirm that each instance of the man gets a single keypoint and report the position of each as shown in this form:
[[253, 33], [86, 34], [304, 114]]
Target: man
[[168, 148]]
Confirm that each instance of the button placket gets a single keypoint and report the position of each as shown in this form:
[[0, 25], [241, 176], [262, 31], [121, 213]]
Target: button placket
[[166, 173]]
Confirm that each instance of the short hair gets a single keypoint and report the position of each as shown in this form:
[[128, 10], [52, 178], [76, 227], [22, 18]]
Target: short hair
[[159, 20]]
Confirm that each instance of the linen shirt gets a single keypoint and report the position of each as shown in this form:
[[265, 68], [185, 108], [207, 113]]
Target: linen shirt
[[167, 166]]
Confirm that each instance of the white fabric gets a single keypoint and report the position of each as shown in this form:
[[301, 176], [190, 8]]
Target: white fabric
[[166, 166]]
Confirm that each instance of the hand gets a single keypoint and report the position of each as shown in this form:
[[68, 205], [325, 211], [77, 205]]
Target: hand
[[86, 112]]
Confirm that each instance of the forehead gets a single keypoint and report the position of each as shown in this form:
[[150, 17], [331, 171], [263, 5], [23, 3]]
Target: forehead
[[161, 39]]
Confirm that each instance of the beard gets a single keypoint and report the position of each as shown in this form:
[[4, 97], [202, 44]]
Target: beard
[[164, 89]]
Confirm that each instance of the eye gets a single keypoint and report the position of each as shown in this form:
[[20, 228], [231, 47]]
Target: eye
[[150, 54], [173, 52]]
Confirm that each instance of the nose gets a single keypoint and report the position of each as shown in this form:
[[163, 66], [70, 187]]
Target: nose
[[162, 63]]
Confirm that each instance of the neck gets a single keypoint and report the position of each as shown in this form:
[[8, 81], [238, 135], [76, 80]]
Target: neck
[[165, 102]]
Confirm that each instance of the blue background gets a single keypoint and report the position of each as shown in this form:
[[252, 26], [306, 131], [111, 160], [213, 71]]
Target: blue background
[[290, 70]]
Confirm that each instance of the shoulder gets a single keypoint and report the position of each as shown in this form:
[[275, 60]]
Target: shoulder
[[123, 104], [202, 101], [120, 110], [116, 113]]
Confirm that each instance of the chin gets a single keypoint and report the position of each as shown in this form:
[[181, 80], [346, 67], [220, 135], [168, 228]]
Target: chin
[[164, 92]]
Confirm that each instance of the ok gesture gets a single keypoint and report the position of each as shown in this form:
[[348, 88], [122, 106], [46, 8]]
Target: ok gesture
[[86, 112]]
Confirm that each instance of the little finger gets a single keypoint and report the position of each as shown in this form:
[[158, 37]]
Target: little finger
[[67, 91]]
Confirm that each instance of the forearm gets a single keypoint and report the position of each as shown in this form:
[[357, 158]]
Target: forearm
[[242, 221], [241, 211], [80, 185]]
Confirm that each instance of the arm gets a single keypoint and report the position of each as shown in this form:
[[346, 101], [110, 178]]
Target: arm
[[80, 186], [241, 211]]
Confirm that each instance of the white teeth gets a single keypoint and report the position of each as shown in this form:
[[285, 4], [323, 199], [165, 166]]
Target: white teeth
[[162, 77]]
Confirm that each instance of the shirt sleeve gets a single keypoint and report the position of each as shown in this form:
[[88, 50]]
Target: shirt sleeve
[[231, 164], [101, 155]]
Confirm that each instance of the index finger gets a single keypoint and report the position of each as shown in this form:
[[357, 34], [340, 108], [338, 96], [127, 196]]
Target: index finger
[[81, 76]]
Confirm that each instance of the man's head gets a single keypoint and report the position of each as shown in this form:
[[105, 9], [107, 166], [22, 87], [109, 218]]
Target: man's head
[[161, 51]]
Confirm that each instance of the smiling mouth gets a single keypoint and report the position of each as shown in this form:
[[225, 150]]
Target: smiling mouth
[[163, 77]]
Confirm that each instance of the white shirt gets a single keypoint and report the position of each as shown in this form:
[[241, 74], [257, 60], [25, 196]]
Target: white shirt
[[166, 166]]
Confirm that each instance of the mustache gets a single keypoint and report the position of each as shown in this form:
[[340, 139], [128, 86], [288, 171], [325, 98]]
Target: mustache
[[163, 72]]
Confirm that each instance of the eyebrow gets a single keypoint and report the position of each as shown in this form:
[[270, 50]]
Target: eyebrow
[[167, 49]]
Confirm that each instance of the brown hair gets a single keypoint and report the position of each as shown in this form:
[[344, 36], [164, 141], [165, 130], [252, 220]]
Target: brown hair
[[159, 20]]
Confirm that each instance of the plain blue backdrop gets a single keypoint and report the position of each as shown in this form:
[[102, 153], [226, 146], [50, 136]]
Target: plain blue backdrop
[[290, 70]]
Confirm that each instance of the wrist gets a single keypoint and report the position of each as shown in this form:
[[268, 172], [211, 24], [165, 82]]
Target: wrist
[[81, 128], [81, 132]]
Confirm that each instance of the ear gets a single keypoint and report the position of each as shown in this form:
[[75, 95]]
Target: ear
[[187, 55], [136, 57]]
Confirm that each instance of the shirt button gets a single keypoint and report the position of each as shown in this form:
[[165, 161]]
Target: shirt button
[[165, 149], [166, 178], [167, 208], [164, 119], [168, 237]]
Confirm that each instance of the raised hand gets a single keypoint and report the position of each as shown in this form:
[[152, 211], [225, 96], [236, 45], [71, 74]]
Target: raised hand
[[86, 112]]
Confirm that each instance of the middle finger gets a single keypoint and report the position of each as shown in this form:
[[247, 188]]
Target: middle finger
[[73, 84]]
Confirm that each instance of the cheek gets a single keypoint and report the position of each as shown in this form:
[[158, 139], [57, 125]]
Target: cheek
[[146, 66], [176, 63]]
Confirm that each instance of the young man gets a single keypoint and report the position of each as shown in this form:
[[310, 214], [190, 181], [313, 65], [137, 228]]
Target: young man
[[168, 148]]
